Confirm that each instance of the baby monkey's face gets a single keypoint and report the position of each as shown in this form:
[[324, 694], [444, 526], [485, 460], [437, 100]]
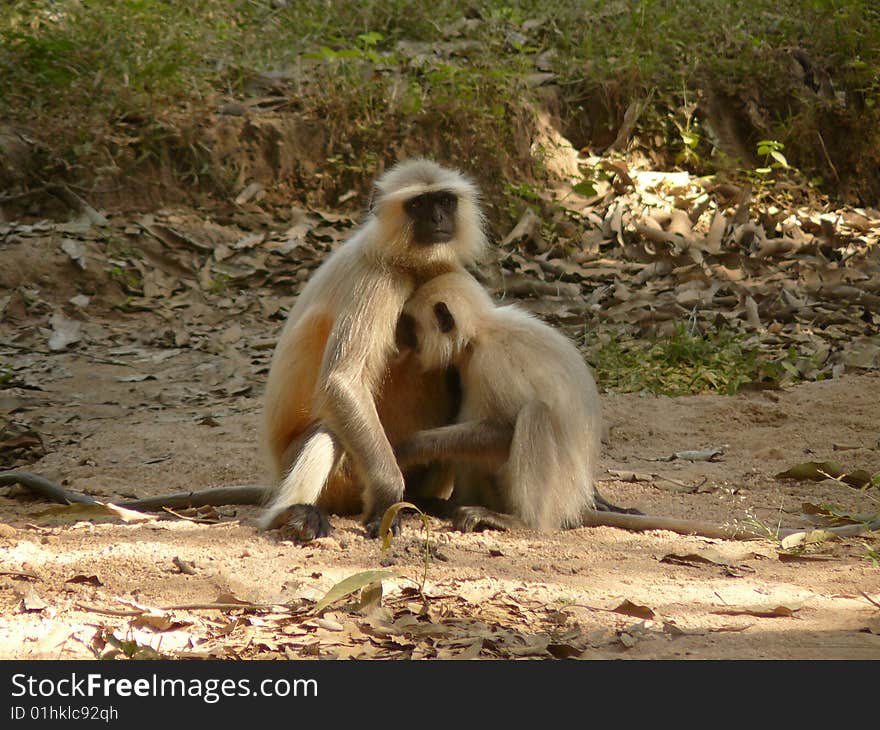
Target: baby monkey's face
[[442, 319], [427, 327]]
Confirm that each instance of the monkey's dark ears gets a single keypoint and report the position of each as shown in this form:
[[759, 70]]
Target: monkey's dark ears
[[445, 320], [405, 334]]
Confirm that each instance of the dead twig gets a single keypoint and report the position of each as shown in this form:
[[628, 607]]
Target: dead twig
[[110, 611]]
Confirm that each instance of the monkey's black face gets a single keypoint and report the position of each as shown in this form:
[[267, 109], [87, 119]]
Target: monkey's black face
[[432, 216]]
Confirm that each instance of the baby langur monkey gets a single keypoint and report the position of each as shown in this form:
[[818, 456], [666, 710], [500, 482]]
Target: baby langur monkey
[[337, 398], [527, 436]]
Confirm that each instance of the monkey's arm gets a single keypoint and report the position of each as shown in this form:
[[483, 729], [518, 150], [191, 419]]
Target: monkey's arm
[[355, 362], [350, 412], [480, 442]]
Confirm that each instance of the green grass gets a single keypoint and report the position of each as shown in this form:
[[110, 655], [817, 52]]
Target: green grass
[[102, 81], [685, 364]]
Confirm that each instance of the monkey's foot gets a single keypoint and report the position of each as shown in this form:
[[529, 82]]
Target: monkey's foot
[[603, 505], [301, 522], [475, 519]]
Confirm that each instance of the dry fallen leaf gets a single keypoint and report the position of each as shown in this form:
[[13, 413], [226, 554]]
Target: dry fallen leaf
[[818, 470], [157, 622], [807, 537], [628, 608], [631, 476], [30, 600], [97, 510], [65, 332], [701, 455], [187, 567]]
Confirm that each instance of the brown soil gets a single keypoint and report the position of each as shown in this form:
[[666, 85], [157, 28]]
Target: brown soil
[[168, 399]]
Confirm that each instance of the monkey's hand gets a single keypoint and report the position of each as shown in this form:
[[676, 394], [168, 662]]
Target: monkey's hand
[[386, 494], [374, 522]]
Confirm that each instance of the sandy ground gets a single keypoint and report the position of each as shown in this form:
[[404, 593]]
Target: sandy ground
[[118, 451], [135, 410]]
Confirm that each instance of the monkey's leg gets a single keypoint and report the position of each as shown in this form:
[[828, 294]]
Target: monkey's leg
[[481, 442], [294, 507], [541, 486], [475, 519], [467, 518]]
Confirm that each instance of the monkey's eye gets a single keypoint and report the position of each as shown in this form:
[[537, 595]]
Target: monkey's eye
[[415, 204], [447, 200]]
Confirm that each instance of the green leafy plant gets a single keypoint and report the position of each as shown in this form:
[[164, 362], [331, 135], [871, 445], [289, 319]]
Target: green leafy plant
[[684, 364], [770, 151], [219, 284], [386, 534], [872, 554], [101, 81], [122, 648]]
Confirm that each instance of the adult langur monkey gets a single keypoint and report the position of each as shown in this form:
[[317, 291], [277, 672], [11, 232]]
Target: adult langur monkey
[[527, 436], [335, 392]]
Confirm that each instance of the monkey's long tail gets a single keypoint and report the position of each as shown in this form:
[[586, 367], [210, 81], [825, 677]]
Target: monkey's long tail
[[217, 496], [638, 523]]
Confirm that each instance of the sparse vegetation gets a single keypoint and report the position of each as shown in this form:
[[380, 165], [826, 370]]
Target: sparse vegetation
[[685, 363], [104, 86]]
